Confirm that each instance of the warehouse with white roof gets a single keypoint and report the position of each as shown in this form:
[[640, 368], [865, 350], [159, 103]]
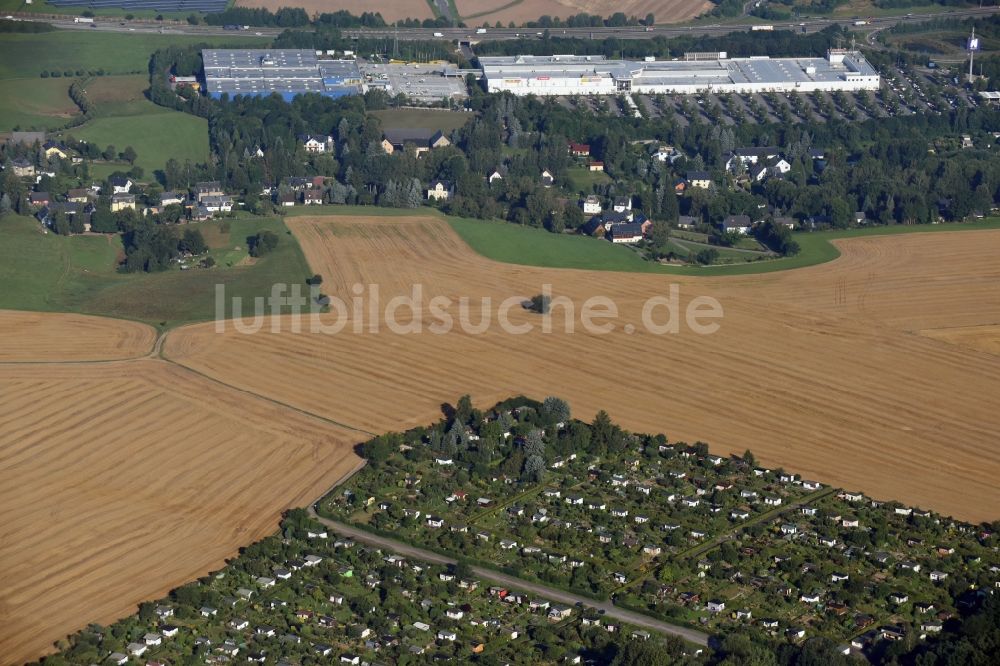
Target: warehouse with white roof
[[842, 69]]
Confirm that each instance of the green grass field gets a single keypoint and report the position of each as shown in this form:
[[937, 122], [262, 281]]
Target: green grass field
[[157, 134], [42, 7], [583, 180], [78, 274], [123, 117], [434, 119], [35, 104], [535, 247], [28, 55]]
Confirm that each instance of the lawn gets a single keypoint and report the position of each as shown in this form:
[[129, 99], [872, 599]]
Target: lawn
[[584, 180], [78, 274], [28, 55], [513, 244], [35, 103], [156, 133], [434, 119]]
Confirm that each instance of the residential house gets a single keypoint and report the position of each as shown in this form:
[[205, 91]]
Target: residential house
[[38, 199], [750, 156], [592, 205], [172, 199], [787, 222], [312, 197], [122, 201], [287, 200], [299, 183], [22, 168], [757, 173], [52, 149], [687, 222], [439, 190], [421, 140], [622, 205], [211, 188], [316, 143], [579, 150], [547, 178], [739, 224], [781, 165], [716, 606], [595, 166], [81, 195], [665, 153], [699, 179], [122, 184], [494, 176], [217, 203], [200, 213]]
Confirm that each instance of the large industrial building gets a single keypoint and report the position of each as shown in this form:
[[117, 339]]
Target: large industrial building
[[288, 72], [696, 72]]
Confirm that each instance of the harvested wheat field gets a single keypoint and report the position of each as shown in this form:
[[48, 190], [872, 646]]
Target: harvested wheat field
[[121, 480], [821, 370], [390, 11], [39, 336], [981, 338], [665, 11]]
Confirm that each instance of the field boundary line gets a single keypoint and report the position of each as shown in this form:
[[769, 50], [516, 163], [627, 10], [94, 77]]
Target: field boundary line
[[165, 359]]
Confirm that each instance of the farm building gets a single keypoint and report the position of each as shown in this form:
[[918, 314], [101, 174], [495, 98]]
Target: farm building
[[288, 72], [596, 75]]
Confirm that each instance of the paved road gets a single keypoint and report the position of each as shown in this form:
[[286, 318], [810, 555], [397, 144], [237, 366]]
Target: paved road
[[468, 34], [637, 619]]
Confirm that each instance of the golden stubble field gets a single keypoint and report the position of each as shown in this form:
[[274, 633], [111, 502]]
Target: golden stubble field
[[477, 11], [391, 11], [41, 336], [665, 11], [821, 370], [120, 480]]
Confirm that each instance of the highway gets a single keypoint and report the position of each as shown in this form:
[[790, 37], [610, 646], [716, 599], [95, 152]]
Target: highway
[[469, 34], [640, 32]]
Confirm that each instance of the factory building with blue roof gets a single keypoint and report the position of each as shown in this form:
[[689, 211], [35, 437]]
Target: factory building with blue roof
[[287, 72]]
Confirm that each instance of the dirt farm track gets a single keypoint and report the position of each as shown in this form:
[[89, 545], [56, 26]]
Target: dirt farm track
[[123, 474]]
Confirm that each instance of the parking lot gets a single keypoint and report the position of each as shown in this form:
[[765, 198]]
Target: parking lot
[[425, 82]]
